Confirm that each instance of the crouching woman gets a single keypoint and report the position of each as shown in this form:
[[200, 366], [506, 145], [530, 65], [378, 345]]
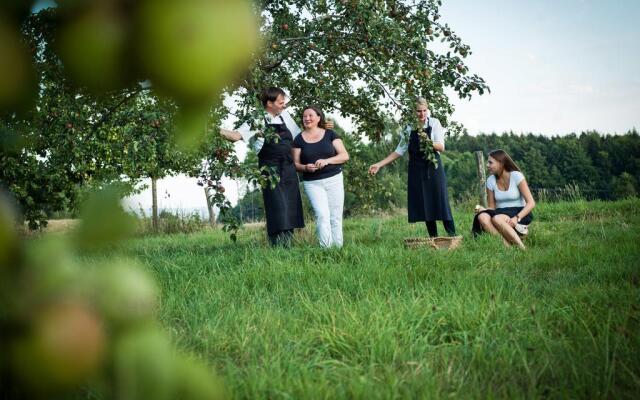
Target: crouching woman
[[509, 199]]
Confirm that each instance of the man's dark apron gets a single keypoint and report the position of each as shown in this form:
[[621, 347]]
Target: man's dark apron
[[282, 204]]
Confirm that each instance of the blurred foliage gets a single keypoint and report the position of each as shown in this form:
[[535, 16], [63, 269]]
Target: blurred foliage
[[94, 92], [103, 221], [75, 138], [69, 326], [126, 87]]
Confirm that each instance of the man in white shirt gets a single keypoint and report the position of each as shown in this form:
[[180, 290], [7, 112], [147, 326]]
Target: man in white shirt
[[275, 113], [282, 204]]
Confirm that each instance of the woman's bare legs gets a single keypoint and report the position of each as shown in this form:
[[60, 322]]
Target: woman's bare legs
[[501, 222], [487, 224]]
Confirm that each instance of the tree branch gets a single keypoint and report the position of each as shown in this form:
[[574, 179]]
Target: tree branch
[[106, 116]]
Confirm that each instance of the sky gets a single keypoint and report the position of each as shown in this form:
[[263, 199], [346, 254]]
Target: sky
[[554, 67]]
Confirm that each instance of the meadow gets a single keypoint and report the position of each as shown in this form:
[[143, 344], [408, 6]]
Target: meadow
[[377, 321]]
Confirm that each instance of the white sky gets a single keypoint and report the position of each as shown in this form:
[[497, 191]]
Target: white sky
[[554, 66]]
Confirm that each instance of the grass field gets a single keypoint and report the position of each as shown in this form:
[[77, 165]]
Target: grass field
[[376, 321]]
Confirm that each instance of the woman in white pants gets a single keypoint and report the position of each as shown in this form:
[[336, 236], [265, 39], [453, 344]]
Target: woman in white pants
[[319, 154]]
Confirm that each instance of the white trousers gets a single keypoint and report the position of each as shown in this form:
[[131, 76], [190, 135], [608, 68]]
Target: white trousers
[[327, 199]]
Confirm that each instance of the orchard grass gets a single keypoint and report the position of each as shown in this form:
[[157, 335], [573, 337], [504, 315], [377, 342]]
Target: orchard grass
[[377, 321]]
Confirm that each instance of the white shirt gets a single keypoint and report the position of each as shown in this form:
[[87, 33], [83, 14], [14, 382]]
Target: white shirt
[[437, 135], [510, 197], [246, 132]]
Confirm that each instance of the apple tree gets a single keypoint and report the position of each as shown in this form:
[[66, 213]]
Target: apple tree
[[366, 60], [103, 112]]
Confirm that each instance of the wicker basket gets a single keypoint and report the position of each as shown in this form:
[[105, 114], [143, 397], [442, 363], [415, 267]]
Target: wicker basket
[[448, 243], [415, 243]]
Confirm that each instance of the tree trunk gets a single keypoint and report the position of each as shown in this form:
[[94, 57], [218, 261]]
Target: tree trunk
[[154, 204], [210, 207], [240, 196], [482, 177]]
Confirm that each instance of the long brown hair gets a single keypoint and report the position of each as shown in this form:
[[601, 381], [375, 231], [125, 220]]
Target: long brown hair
[[503, 158], [322, 123]]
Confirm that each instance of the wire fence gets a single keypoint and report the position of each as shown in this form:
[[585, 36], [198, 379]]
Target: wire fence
[[571, 193]]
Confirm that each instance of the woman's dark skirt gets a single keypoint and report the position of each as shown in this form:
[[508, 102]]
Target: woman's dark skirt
[[510, 211]]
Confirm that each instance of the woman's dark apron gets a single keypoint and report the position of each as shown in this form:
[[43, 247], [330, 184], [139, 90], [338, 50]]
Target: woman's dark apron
[[428, 198], [282, 204]]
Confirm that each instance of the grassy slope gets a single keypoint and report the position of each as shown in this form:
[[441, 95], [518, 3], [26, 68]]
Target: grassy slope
[[377, 321]]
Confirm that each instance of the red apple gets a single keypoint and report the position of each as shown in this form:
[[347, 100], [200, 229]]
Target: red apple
[[64, 347]]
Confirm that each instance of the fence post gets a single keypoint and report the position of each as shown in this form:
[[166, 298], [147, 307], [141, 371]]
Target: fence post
[[482, 177]]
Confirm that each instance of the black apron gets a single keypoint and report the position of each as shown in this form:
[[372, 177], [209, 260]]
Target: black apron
[[427, 195], [282, 204]]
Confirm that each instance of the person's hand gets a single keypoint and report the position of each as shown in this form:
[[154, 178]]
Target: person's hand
[[513, 221], [321, 163], [478, 208], [374, 169], [329, 124], [310, 168]]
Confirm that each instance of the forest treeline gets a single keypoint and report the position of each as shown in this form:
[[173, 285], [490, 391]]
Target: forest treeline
[[591, 165]]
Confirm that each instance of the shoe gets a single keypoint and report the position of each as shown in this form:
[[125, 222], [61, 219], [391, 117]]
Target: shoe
[[522, 229]]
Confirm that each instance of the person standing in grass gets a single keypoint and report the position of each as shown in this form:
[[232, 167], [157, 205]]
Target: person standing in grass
[[509, 199], [282, 204], [428, 197], [319, 154]]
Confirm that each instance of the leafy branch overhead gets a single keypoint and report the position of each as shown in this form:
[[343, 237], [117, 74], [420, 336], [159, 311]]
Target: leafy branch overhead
[[118, 112], [367, 60]]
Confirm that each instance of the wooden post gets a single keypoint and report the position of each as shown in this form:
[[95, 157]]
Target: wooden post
[[210, 207], [482, 177], [154, 204]]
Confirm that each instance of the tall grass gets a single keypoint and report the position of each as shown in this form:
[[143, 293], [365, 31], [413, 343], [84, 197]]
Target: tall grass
[[170, 223], [376, 321]]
